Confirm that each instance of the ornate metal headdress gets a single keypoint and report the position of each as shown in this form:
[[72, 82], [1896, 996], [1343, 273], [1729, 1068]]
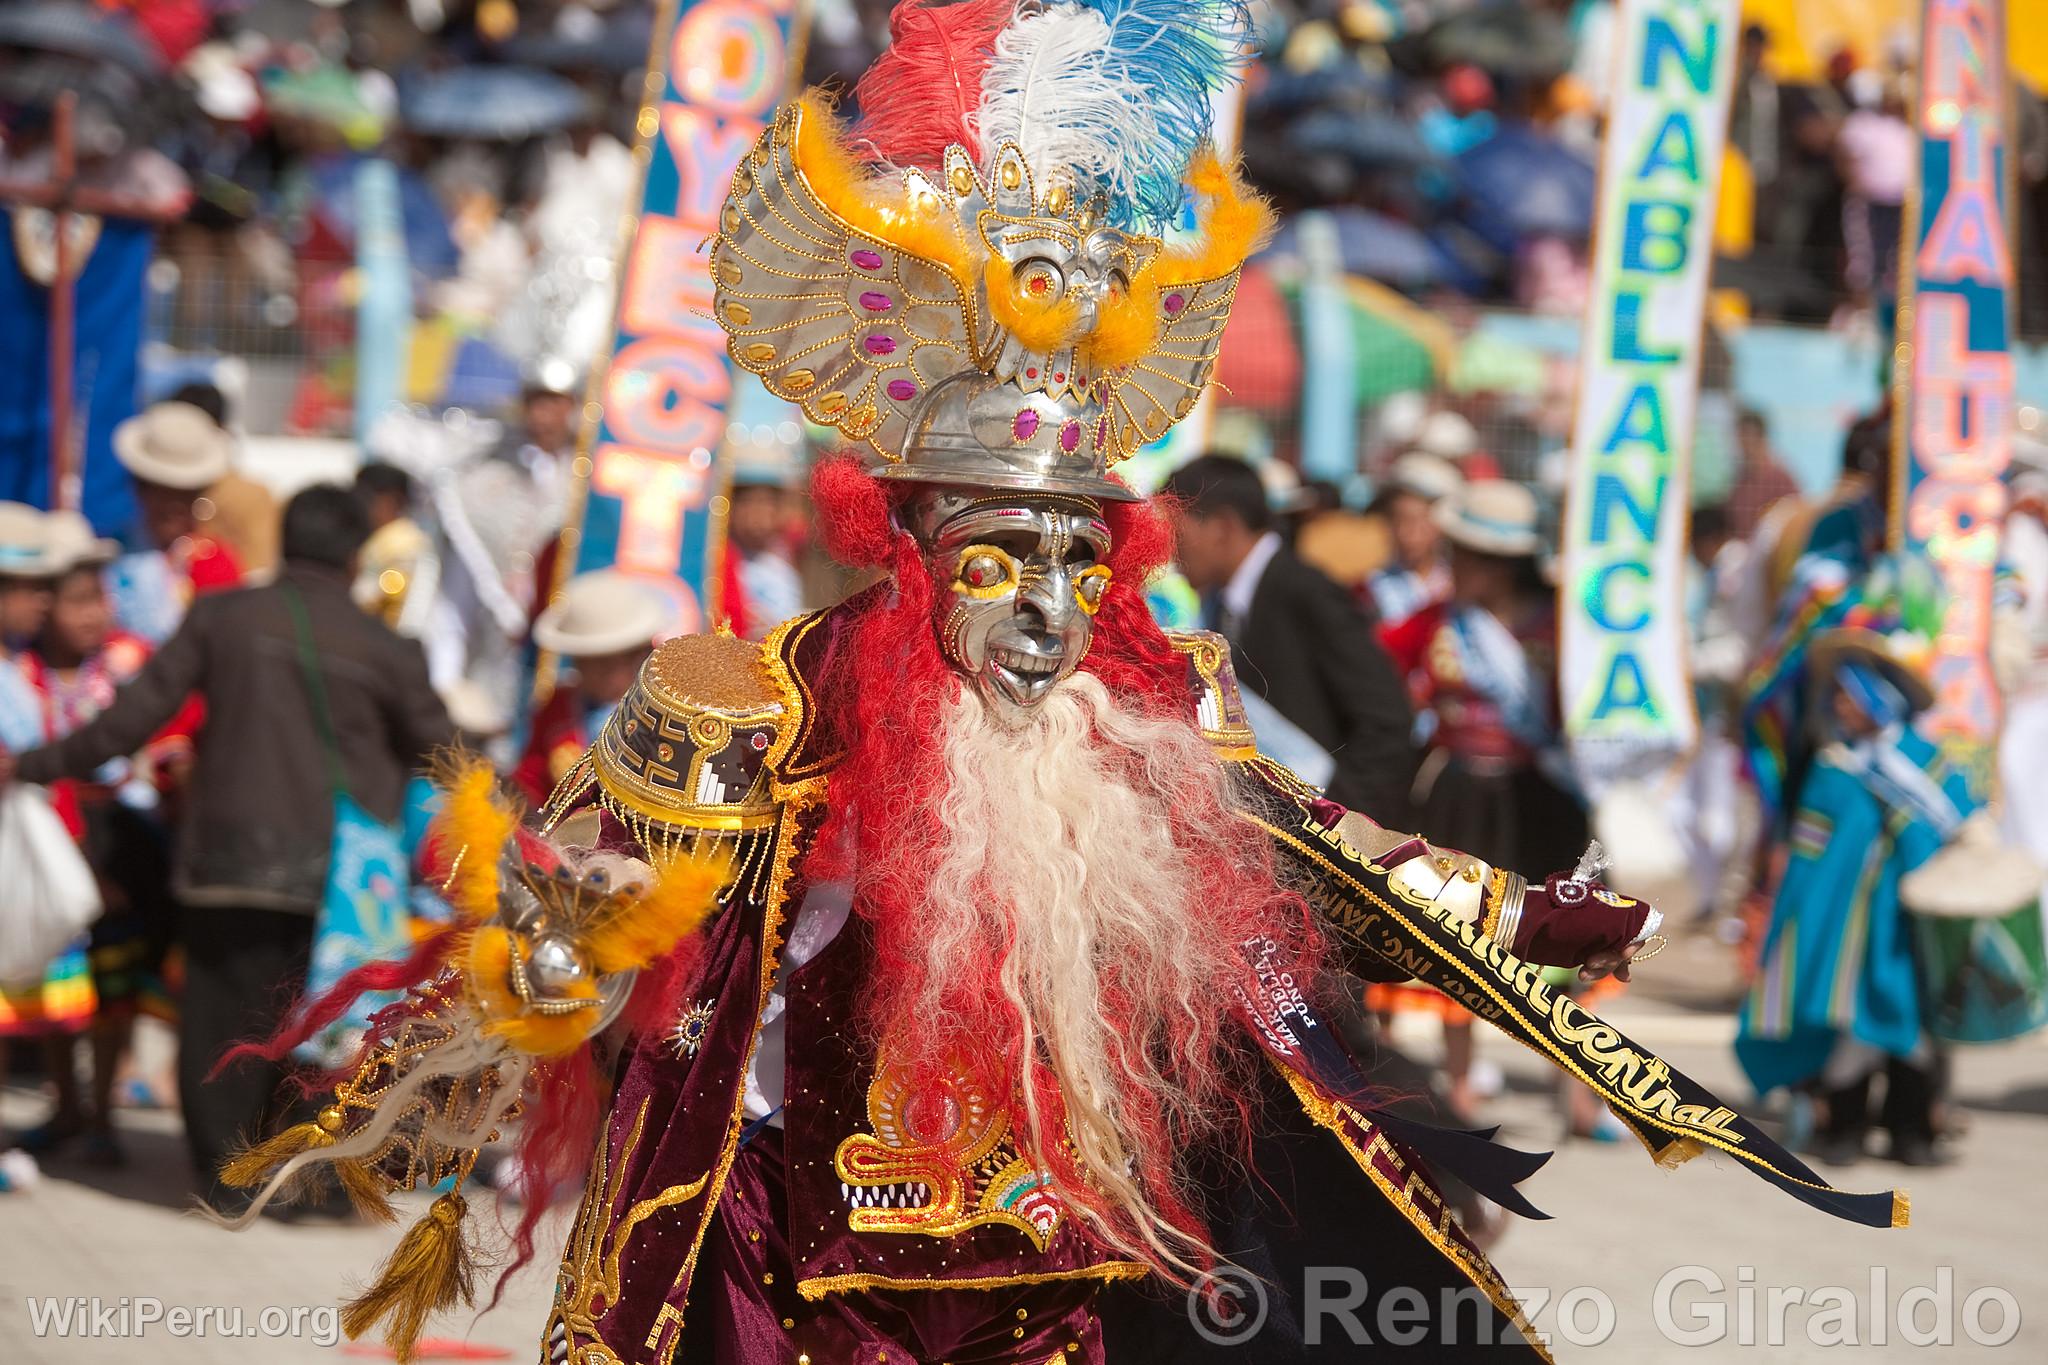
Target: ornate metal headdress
[[973, 282]]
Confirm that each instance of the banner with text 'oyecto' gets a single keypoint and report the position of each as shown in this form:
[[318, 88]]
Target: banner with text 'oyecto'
[[651, 501]]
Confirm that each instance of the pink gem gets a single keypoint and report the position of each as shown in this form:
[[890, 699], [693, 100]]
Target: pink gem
[[878, 344], [1025, 426], [1102, 431], [902, 390], [876, 303], [866, 260], [1070, 437], [1176, 302]]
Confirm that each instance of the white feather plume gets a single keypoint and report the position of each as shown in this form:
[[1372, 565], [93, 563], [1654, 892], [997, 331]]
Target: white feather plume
[[1051, 89]]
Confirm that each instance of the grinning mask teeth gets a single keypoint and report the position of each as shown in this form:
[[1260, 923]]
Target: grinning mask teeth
[[1026, 577]]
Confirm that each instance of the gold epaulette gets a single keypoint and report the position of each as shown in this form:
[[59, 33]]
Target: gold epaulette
[[1212, 688], [685, 755]]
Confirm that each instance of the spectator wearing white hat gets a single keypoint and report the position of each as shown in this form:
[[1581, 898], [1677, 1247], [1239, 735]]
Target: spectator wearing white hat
[[24, 575], [1419, 573], [79, 662], [1482, 663], [1451, 436], [759, 529], [1485, 662], [25, 563], [603, 626], [174, 452]]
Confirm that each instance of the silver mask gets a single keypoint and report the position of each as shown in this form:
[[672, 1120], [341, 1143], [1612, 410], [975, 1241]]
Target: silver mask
[[1026, 576]]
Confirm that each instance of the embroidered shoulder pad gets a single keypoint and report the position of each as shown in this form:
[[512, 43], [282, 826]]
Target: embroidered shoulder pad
[[1212, 689], [688, 747]]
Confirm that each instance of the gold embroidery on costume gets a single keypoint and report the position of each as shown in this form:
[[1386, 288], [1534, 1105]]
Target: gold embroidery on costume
[[940, 1161], [1425, 1209], [1219, 710], [818, 1288], [586, 1279]]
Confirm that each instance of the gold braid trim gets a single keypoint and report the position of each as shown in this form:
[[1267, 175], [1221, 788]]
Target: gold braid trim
[[819, 1287], [1330, 1113], [775, 915], [1496, 901]]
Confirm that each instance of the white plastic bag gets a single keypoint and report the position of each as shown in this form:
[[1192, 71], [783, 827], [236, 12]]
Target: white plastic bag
[[47, 893]]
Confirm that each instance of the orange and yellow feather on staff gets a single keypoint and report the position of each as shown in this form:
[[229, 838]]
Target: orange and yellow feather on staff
[[477, 820]]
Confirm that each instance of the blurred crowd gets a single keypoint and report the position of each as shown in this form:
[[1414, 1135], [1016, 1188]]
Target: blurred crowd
[[1449, 148], [211, 704]]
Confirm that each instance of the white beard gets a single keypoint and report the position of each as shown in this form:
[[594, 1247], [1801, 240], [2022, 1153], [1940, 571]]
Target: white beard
[[1070, 854]]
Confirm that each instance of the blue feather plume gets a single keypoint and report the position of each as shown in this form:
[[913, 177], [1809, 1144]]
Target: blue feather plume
[[1179, 52]]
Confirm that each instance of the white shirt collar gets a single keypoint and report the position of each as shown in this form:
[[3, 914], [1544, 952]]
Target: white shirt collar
[[1244, 584]]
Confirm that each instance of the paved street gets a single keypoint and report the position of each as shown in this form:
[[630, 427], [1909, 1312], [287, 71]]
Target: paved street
[[1621, 1226]]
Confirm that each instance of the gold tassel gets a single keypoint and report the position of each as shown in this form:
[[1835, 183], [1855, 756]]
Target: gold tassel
[[1678, 1152], [431, 1269], [253, 1165], [366, 1191]]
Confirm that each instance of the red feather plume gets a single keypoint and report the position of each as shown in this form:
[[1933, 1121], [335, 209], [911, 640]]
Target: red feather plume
[[920, 96]]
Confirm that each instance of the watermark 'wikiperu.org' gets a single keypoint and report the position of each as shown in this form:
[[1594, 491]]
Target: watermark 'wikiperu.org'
[[1690, 1305], [128, 1317]]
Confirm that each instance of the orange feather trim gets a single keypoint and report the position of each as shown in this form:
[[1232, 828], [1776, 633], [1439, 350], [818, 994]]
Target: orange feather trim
[[882, 207], [649, 926], [1234, 223]]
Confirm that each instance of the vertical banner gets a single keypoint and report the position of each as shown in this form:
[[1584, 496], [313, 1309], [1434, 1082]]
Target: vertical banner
[[111, 259], [1955, 321], [1622, 668], [656, 415], [384, 308]]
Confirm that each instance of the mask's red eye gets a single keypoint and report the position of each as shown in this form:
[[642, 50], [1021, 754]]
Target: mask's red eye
[[984, 571]]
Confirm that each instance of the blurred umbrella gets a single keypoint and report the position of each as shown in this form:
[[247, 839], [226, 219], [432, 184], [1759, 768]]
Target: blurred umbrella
[[1259, 366], [481, 378], [1494, 364], [1373, 245], [1509, 40], [618, 42], [1370, 139], [1522, 183], [35, 83], [499, 103], [428, 247], [79, 30], [1285, 92], [1395, 345], [325, 94]]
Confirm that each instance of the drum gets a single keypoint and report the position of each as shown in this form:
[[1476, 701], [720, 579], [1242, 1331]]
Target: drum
[[1977, 931]]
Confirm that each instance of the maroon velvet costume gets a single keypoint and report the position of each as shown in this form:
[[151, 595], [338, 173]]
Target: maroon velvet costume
[[883, 1213]]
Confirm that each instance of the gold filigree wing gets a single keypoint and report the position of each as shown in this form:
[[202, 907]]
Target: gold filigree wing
[[1151, 394], [852, 326]]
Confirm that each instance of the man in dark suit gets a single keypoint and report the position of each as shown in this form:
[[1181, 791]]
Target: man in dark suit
[[259, 819], [1298, 640]]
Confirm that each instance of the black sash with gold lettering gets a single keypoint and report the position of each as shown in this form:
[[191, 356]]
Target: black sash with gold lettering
[[1675, 1117]]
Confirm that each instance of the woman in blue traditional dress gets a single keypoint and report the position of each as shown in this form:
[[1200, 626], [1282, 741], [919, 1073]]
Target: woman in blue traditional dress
[[1838, 998]]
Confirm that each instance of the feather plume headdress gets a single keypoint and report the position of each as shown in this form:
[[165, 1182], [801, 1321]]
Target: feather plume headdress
[[972, 278]]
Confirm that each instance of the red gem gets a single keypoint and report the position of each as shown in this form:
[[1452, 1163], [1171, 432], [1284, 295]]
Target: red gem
[[1031, 373]]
